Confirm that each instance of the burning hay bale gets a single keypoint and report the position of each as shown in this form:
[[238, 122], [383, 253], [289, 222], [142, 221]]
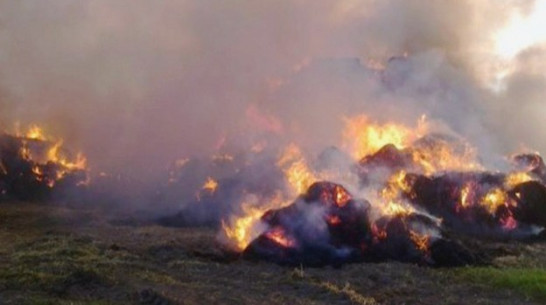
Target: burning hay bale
[[33, 168], [389, 193], [327, 226]]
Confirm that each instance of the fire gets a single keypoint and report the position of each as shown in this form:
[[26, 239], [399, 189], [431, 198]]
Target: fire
[[395, 186], [516, 178], [35, 133], [295, 168], [241, 230], [341, 197], [25, 152], [421, 241], [493, 200], [442, 156], [210, 185], [278, 235], [393, 208], [38, 172], [391, 196], [55, 155], [362, 137], [467, 195]]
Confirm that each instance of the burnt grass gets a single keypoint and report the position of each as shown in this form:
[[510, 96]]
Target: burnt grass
[[67, 255]]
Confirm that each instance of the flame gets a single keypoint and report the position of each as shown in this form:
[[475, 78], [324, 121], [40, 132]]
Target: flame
[[35, 133], [38, 172], [514, 179], [421, 241], [467, 195], [395, 185], [54, 155], [341, 197], [362, 137], [241, 230], [295, 168], [278, 235], [391, 199], [493, 200], [210, 185], [25, 152], [443, 156], [393, 208]]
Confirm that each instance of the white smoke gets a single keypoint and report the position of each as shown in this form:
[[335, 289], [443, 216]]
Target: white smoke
[[137, 84]]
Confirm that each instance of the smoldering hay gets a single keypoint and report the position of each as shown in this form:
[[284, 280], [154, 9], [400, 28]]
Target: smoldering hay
[[225, 88]]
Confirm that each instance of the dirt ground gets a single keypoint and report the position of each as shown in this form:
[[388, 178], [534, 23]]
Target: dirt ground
[[76, 255]]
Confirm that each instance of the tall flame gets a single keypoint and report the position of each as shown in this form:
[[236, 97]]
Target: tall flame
[[296, 170], [362, 136]]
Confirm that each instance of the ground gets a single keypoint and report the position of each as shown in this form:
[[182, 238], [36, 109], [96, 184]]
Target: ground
[[76, 255]]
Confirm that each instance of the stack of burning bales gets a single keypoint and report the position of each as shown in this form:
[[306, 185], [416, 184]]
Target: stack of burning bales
[[33, 167], [405, 195]]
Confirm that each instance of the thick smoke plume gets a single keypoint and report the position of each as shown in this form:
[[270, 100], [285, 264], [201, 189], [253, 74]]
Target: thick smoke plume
[[137, 84]]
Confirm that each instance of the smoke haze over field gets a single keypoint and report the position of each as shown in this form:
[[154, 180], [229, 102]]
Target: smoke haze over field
[[136, 84]]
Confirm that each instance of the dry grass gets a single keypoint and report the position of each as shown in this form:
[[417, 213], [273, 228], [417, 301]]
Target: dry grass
[[53, 255]]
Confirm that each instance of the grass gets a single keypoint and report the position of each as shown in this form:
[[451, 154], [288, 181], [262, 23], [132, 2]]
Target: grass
[[52, 255], [529, 281], [349, 293]]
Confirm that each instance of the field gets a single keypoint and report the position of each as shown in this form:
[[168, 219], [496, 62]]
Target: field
[[78, 255]]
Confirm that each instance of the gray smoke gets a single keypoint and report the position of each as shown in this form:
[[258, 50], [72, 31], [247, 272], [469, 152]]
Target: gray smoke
[[136, 84]]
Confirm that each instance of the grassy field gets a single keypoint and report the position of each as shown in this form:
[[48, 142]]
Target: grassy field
[[59, 255]]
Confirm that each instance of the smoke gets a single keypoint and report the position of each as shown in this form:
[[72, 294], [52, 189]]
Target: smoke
[[136, 84]]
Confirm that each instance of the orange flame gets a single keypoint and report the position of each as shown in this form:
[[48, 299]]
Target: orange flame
[[421, 241], [241, 230], [210, 185], [295, 168], [362, 137], [493, 200], [278, 235], [514, 179], [35, 133]]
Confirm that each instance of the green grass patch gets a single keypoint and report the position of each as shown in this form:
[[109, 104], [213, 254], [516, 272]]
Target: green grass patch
[[529, 281]]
